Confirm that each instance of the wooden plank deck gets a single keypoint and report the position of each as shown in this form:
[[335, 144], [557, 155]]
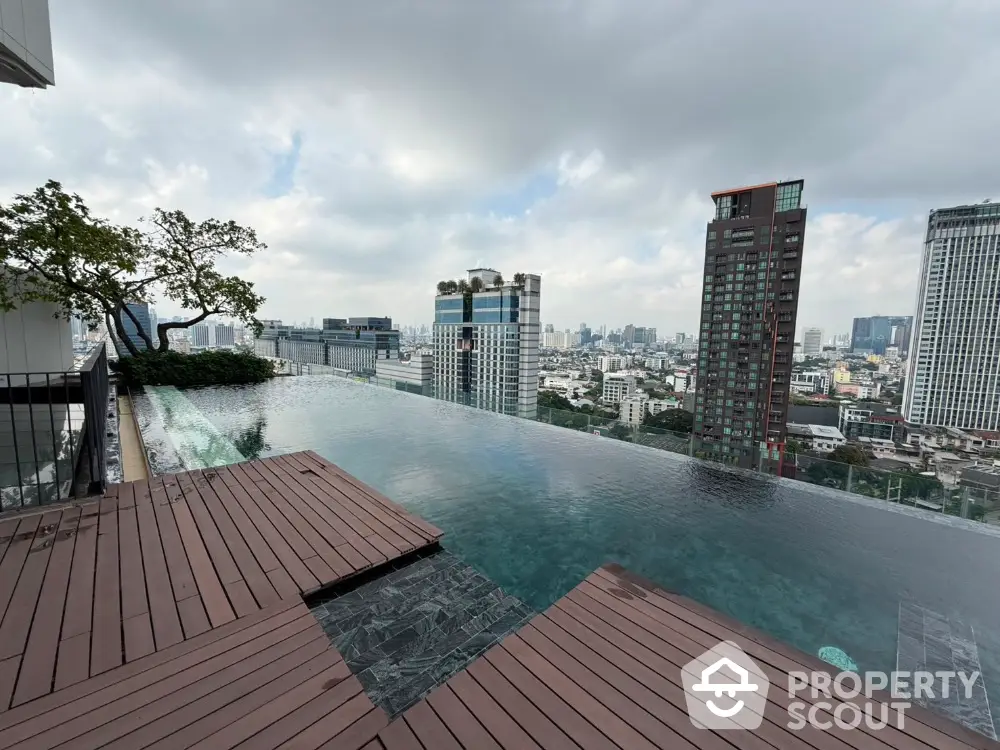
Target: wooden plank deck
[[601, 669], [86, 589], [267, 680]]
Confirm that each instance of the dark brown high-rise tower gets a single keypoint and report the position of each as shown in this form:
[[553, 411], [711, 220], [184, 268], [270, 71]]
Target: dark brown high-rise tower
[[753, 262]]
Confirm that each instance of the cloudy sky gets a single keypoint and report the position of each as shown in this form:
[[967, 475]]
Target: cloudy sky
[[379, 147]]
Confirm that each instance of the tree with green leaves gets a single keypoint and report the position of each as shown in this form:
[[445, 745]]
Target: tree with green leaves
[[553, 400], [672, 420], [442, 287], [53, 249], [849, 454], [498, 280]]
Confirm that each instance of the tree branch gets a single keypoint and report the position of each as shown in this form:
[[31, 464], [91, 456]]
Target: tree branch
[[162, 328]]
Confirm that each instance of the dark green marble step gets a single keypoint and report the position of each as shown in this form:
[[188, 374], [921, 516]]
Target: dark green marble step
[[406, 632]]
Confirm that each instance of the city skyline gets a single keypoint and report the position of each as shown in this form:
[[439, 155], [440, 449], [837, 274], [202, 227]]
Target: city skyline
[[373, 183]]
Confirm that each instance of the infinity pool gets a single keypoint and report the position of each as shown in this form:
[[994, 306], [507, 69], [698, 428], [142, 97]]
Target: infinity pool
[[536, 508]]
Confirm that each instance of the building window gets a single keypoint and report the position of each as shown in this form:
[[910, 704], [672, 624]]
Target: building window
[[788, 197]]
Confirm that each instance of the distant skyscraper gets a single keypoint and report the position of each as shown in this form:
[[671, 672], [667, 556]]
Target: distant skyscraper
[[486, 345], [812, 342], [954, 369], [753, 258], [875, 334]]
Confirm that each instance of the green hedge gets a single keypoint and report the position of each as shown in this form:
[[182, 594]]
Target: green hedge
[[212, 367]]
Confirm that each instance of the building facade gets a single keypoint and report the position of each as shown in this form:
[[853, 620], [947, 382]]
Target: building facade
[[871, 421], [26, 44], [877, 333], [633, 409], [812, 342], [348, 344], [616, 387], [753, 261], [954, 368], [413, 373], [486, 344]]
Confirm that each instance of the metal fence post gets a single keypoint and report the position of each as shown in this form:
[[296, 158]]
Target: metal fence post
[[850, 476]]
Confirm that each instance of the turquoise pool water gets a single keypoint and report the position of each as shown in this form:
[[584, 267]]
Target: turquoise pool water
[[536, 508]]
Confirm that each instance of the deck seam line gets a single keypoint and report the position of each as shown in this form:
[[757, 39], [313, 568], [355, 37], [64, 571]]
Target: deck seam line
[[208, 554], [301, 648], [34, 611], [150, 685], [597, 678]]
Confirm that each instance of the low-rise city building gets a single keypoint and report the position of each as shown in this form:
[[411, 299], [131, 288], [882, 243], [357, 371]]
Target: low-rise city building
[[633, 409], [412, 372], [616, 387], [818, 438], [870, 420]]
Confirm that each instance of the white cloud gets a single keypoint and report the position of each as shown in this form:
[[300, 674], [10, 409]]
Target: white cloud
[[415, 125]]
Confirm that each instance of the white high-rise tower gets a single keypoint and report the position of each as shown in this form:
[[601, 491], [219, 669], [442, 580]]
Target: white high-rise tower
[[486, 343], [953, 377]]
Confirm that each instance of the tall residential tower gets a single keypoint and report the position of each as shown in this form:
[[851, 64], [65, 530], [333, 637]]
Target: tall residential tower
[[753, 261], [486, 343], [953, 378]]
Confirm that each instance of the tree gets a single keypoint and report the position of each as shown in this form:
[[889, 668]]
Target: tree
[[793, 446], [673, 420], [849, 454], [462, 286], [518, 279], [54, 250], [442, 287], [476, 285], [498, 280], [452, 286], [553, 400], [184, 255]]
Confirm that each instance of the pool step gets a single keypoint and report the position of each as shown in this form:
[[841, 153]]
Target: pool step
[[929, 641], [196, 442], [408, 631]]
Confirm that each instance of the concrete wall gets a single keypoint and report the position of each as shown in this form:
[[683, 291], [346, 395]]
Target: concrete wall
[[26, 43], [32, 340]]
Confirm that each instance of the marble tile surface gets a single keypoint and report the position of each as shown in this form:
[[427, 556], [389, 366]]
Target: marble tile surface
[[929, 641], [410, 629]]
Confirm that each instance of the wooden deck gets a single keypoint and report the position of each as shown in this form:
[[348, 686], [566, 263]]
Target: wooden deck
[[601, 669], [86, 589], [169, 615], [260, 681]]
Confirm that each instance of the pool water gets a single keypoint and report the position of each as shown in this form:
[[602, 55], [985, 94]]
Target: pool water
[[536, 508]]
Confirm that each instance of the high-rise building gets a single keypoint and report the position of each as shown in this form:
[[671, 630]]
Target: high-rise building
[[753, 261], [877, 333], [812, 342], [486, 343], [26, 44], [141, 312], [954, 367]]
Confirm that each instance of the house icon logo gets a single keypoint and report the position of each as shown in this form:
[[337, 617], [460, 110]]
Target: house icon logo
[[725, 689]]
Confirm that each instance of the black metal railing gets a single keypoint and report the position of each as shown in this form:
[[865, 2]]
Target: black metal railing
[[53, 433]]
